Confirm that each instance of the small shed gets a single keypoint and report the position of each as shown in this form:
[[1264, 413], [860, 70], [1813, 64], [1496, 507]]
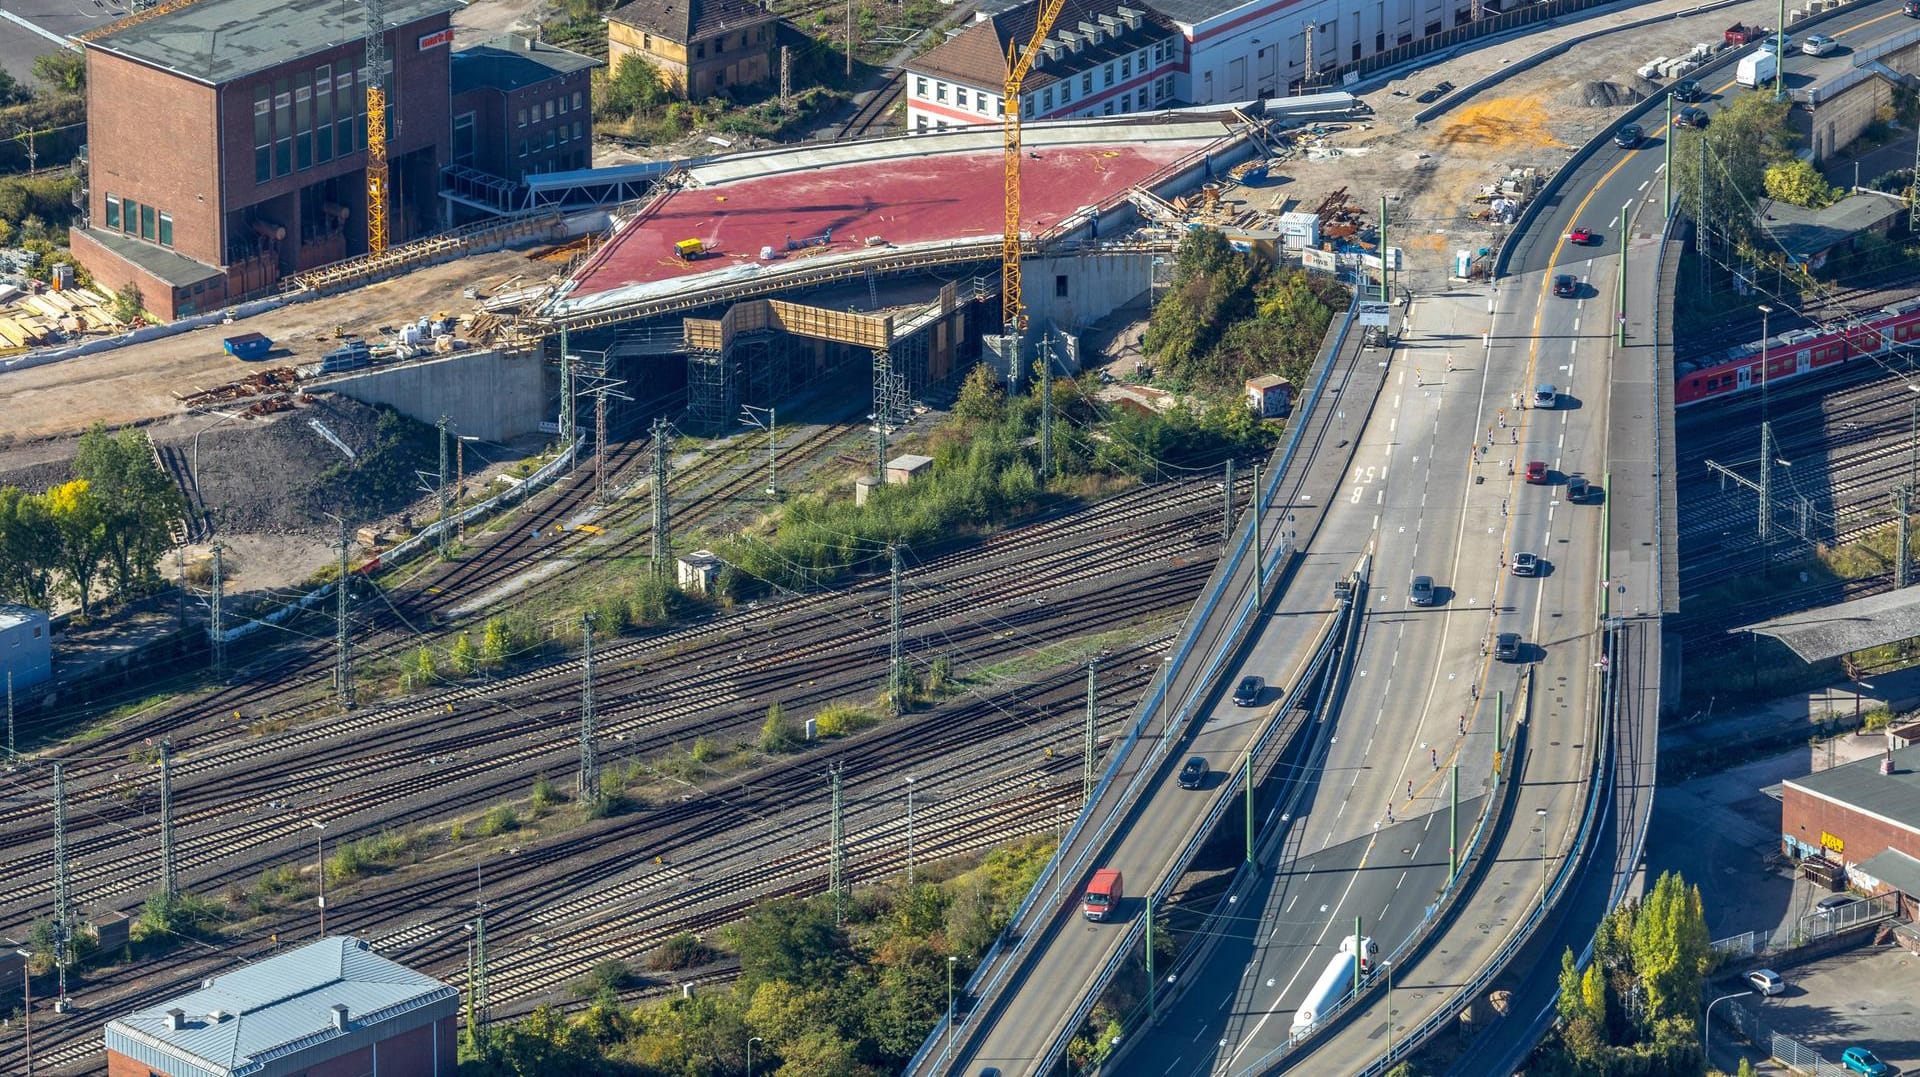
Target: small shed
[[113, 930], [906, 468], [1269, 396], [26, 646], [698, 571]]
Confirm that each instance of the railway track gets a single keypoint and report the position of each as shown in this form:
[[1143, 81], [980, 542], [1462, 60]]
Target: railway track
[[706, 489], [768, 846], [876, 111], [441, 732]]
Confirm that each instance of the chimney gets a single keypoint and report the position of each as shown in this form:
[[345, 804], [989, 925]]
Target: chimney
[[1886, 761], [176, 1019], [519, 43], [339, 1016]]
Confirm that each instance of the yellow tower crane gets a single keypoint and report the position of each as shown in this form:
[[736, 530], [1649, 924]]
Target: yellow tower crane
[[1013, 312], [376, 89]]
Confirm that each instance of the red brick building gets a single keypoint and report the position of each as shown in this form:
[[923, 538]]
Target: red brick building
[[520, 108], [227, 143], [1864, 816], [330, 1009]]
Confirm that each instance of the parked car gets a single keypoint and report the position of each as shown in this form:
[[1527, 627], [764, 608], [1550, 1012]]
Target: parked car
[[1566, 286], [1583, 237], [1767, 982], [1194, 774], [1692, 117], [1421, 591], [1249, 691], [1545, 396], [1911, 9], [1506, 646], [1629, 136], [1688, 90], [1860, 1060], [1818, 45], [1828, 906], [1536, 472], [1526, 564], [1580, 489]]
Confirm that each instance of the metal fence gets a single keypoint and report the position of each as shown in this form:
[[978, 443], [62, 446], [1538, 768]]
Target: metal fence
[[1747, 1021]]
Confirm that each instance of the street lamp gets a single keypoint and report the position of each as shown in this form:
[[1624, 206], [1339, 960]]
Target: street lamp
[[1387, 967], [1541, 814], [951, 960], [1706, 1038], [909, 830], [749, 416], [320, 863], [1765, 313], [750, 1042]]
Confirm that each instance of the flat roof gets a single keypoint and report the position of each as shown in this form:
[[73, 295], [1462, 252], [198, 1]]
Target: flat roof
[[1860, 785], [862, 195], [1896, 869], [13, 616], [280, 1007], [512, 61], [216, 41], [1845, 627], [174, 268]]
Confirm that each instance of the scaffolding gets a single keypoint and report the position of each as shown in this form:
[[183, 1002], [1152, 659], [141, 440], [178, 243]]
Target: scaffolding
[[763, 349]]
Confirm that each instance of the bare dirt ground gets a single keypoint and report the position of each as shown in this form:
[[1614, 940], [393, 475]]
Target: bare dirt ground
[[135, 384], [1430, 173]]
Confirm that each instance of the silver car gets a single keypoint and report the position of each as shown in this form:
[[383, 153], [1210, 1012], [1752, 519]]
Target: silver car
[[1545, 396]]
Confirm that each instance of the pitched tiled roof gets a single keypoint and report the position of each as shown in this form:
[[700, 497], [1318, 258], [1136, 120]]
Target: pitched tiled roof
[[977, 56], [690, 20]]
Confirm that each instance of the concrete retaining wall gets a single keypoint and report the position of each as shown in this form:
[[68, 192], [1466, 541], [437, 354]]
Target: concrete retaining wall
[[1094, 287], [487, 394]]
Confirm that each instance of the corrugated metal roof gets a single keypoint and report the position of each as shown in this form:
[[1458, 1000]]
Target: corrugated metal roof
[[283, 1006], [1860, 785]]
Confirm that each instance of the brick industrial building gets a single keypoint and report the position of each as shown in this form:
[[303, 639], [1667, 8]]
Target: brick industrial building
[[227, 143], [520, 108], [329, 1009], [1863, 816]]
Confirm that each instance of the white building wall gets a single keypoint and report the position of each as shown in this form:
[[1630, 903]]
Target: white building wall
[[26, 646], [1260, 48], [1146, 79]]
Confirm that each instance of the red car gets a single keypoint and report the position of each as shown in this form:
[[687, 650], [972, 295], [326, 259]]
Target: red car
[[1537, 473], [1583, 237]]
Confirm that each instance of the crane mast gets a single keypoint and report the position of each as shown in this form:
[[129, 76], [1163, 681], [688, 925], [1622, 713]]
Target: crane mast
[[376, 89], [1013, 313]]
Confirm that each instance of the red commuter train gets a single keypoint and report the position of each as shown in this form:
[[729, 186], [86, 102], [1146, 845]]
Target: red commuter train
[[1737, 369]]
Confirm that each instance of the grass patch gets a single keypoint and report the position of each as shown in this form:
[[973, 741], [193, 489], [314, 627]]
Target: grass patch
[[1076, 651], [378, 852]]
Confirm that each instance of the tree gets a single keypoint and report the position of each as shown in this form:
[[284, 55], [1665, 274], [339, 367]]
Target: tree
[[634, 86], [423, 666], [1747, 136], [777, 733], [981, 399], [29, 547], [138, 500], [11, 91], [493, 644], [792, 940], [61, 71], [461, 657], [1799, 183], [81, 522]]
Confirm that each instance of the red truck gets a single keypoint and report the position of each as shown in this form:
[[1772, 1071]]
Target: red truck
[[1742, 34], [1102, 899]]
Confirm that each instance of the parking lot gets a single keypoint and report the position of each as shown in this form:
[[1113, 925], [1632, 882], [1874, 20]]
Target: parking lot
[[1862, 998]]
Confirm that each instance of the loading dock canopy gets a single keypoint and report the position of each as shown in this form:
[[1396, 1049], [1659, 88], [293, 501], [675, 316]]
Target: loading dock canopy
[[1845, 627]]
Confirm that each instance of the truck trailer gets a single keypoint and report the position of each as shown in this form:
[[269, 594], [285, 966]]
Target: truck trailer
[[1336, 983]]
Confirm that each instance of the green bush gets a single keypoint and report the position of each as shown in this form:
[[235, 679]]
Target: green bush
[[841, 719], [500, 819]]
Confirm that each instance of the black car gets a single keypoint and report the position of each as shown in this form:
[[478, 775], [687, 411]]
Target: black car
[[1194, 774], [1435, 94], [1687, 91], [1249, 691], [1506, 647], [1579, 489], [1692, 117], [1629, 136], [1566, 285]]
